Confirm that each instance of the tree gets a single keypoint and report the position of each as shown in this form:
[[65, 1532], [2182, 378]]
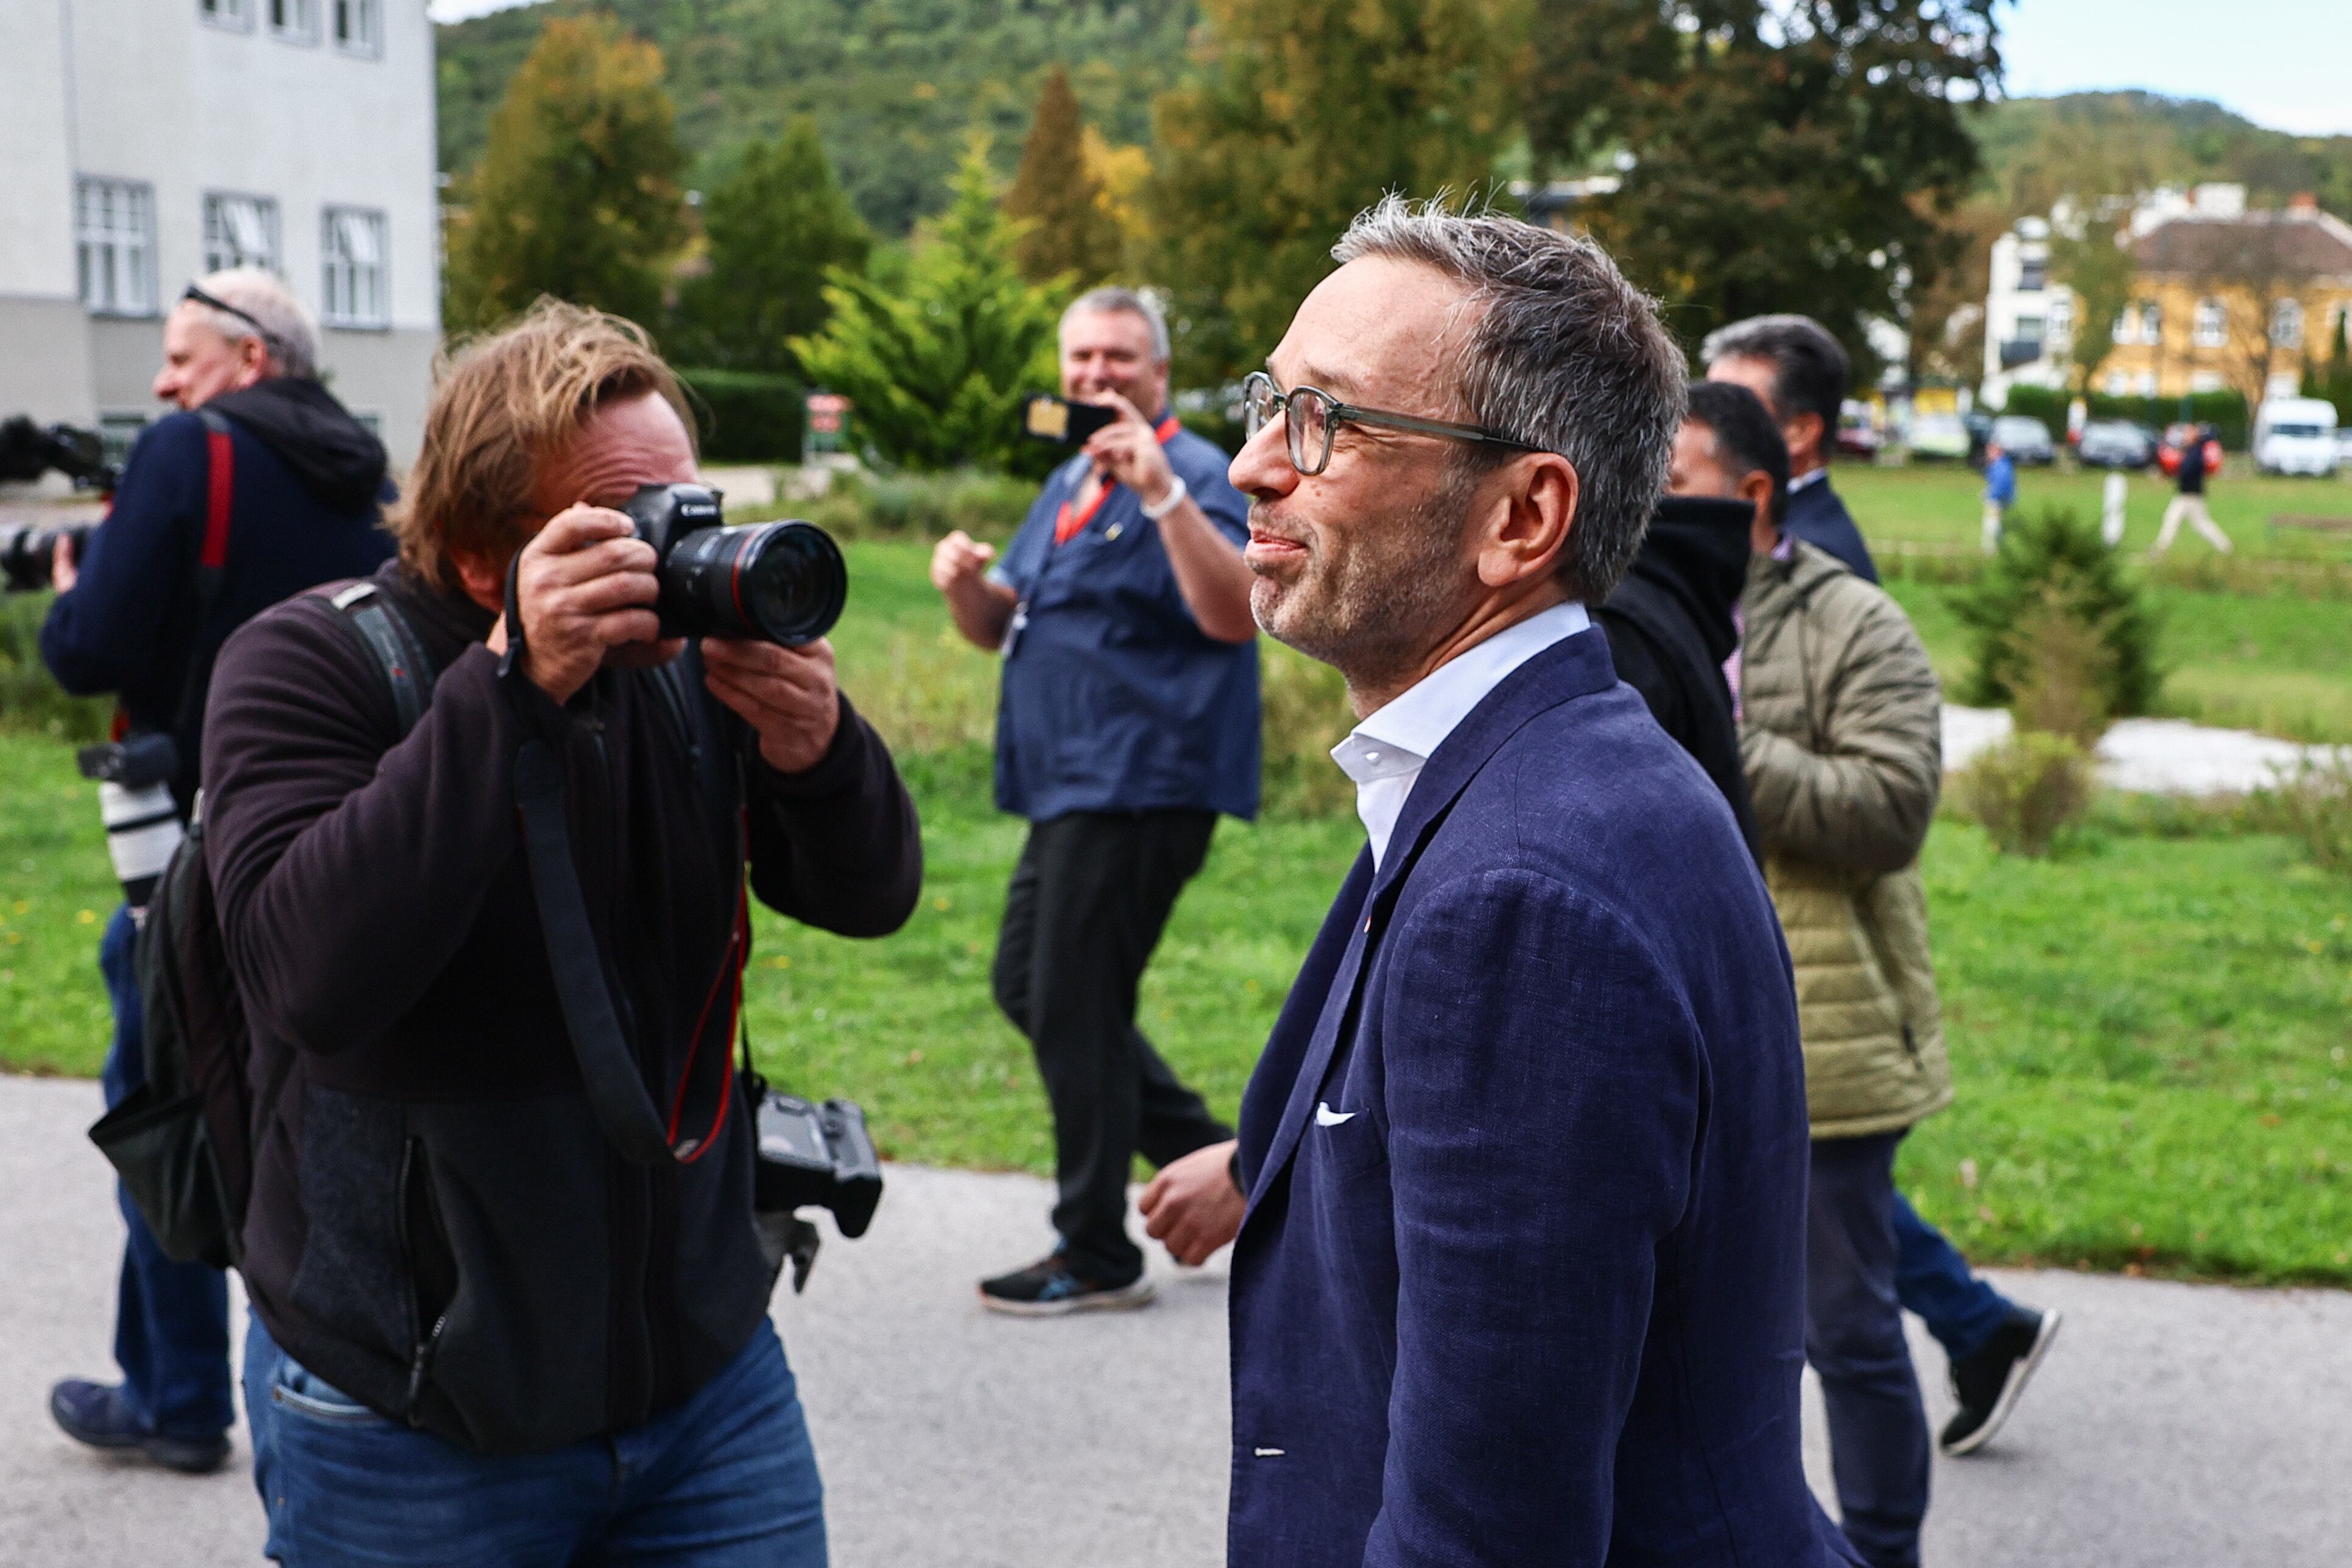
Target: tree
[[1773, 154], [2099, 271], [1308, 112], [577, 192], [936, 365], [1057, 192], [775, 225]]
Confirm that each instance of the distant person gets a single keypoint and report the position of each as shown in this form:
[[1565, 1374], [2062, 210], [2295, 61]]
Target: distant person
[[1129, 721], [1801, 371], [2200, 458], [2000, 492], [2113, 494], [262, 455], [1522, 1272]]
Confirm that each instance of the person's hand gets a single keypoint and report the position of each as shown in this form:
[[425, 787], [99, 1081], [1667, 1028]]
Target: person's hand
[[585, 587], [1128, 451], [64, 572], [1194, 1206], [957, 561], [786, 694]]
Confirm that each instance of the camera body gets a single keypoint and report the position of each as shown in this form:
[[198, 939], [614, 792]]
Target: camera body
[[28, 553], [1064, 423], [780, 582], [816, 1156]]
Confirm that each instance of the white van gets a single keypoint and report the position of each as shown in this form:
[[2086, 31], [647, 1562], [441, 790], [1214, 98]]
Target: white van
[[2295, 435]]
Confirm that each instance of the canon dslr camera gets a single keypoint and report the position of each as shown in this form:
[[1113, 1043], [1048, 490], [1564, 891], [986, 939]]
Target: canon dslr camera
[[777, 582], [809, 1156]]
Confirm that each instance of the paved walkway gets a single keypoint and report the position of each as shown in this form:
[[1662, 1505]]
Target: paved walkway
[[2158, 755], [2174, 1426]]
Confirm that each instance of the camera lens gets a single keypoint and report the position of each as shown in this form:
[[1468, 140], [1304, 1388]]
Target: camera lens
[[783, 582]]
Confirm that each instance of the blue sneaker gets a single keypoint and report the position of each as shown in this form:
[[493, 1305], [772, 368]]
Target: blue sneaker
[[97, 1414], [1049, 1287]]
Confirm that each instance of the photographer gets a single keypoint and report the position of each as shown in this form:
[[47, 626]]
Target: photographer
[[481, 1332], [271, 490]]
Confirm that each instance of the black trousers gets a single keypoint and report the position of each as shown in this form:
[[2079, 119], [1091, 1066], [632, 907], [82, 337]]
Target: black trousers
[[1089, 898]]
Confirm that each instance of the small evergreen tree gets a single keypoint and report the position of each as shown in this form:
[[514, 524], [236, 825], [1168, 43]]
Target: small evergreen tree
[[936, 365], [2100, 665], [775, 225], [2336, 386], [577, 193], [1056, 192]]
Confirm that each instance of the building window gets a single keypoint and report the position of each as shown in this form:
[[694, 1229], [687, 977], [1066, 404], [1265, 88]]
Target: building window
[[2119, 383], [358, 24], [114, 243], [237, 14], [2061, 320], [2147, 383], [2206, 381], [296, 21], [2029, 330], [240, 231], [2212, 330], [2151, 322], [2286, 324], [2032, 274], [350, 243]]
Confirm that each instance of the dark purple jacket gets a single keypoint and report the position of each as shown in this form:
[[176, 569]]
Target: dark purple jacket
[[1522, 1277]]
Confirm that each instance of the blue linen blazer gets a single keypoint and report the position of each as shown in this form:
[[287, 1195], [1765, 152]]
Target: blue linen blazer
[[1522, 1276]]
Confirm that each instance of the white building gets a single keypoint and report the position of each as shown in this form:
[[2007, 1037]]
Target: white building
[[2029, 321], [150, 142]]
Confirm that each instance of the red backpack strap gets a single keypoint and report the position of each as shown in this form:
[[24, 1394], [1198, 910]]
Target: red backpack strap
[[220, 492]]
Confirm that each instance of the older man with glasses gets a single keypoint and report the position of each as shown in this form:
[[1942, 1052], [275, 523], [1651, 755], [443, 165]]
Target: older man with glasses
[[1521, 1278]]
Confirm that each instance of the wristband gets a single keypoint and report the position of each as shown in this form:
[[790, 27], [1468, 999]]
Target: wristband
[[1171, 501]]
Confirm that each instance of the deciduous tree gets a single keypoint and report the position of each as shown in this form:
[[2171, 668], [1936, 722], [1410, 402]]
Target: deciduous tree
[[2100, 273], [577, 192], [1072, 234]]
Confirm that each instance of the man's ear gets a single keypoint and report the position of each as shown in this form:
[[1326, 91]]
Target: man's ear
[[1805, 431], [484, 579], [1756, 489], [1537, 512]]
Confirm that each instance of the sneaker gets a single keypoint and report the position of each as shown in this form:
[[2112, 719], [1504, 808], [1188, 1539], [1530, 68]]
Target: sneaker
[[1049, 1287], [1988, 1383], [97, 1414]]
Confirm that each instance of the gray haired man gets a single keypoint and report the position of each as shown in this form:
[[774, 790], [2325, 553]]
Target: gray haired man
[[1129, 722]]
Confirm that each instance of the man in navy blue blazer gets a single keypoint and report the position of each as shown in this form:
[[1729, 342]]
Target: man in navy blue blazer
[[1801, 373], [1521, 1278]]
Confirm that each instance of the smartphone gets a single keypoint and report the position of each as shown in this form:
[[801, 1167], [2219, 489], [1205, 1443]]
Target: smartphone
[[1062, 422]]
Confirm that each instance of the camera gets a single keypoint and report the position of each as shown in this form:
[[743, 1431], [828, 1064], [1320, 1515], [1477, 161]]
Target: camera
[[779, 582], [28, 553], [134, 796], [809, 1156], [27, 451], [1064, 423]]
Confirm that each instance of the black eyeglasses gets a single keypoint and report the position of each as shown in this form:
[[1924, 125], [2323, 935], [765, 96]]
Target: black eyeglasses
[[1311, 416], [198, 295]]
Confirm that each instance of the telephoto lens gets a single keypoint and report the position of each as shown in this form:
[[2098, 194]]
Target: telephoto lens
[[778, 582], [28, 553], [142, 825]]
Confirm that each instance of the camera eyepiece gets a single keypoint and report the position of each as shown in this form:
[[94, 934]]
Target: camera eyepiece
[[782, 583]]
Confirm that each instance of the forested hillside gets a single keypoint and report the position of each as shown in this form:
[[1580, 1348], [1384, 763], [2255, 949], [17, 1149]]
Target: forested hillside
[[893, 83]]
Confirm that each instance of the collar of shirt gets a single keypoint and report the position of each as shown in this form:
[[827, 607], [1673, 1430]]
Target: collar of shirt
[[1385, 753], [1811, 476]]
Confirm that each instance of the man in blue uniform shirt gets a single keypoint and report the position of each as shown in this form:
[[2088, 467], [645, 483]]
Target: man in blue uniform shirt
[[1128, 720]]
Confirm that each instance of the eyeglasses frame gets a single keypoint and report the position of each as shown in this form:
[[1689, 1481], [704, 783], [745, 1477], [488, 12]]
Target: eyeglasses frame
[[194, 295], [1348, 412]]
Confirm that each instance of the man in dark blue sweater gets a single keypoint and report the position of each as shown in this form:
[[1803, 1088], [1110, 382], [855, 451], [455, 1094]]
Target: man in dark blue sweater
[[1801, 373], [298, 484]]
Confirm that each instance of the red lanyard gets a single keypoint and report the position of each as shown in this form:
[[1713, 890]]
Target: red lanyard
[[1069, 524]]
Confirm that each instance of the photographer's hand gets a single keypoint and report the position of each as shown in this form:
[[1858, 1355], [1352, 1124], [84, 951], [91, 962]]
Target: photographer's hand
[[786, 694], [64, 571], [1128, 451], [585, 587], [1194, 1206]]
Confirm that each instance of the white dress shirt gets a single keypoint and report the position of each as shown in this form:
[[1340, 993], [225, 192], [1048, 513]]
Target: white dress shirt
[[1385, 753]]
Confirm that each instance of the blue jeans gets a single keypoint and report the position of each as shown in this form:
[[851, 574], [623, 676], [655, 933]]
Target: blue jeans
[[726, 1480], [171, 1320], [1853, 1337], [1933, 1280]]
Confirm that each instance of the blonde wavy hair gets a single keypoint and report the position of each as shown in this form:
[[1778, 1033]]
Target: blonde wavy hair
[[504, 404]]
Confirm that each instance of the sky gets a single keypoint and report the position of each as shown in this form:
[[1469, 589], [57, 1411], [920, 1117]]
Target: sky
[[2280, 63]]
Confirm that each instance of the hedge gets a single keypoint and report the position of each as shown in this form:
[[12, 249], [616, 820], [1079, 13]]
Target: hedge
[[2225, 411], [747, 416]]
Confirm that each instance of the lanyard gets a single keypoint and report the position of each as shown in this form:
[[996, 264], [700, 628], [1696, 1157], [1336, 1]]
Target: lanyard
[[1068, 524]]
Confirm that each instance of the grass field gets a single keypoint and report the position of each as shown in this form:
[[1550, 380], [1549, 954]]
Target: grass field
[[2149, 1033]]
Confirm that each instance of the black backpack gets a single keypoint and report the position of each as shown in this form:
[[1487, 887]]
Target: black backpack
[[182, 1142]]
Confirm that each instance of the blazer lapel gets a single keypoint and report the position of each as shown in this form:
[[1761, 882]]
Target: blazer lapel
[[1573, 667]]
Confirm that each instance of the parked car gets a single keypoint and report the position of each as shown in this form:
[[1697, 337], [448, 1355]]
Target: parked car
[[1857, 435], [2024, 438], [2295, 435], [1939, 438], [2115, 443]]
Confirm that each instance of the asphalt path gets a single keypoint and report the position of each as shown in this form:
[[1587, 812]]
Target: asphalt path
[[2173, 1425]]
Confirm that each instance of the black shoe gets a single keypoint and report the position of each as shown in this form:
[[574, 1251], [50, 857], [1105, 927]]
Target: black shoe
[[1049, 1287], [1988, 1383], [97, 1414]]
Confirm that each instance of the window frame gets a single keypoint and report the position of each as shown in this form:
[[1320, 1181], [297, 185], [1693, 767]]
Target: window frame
[[229, 15], [2288, 324], [272, 216], [2209, 324], [367, 44], [145, 193], [304, 34], [330, 243]]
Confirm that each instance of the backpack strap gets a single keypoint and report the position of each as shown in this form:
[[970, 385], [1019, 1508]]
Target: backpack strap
[[385, 633], [212, 559]]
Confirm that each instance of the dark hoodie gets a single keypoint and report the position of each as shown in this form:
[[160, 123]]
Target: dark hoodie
[[1670, 628], [304, 509]]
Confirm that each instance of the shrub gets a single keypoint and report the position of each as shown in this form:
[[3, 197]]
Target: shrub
[[2054, 570], [1306, 714], [2225, 411], [2026, 789], [922, 505], [30, 700], [2315, 806], [747, 416]]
